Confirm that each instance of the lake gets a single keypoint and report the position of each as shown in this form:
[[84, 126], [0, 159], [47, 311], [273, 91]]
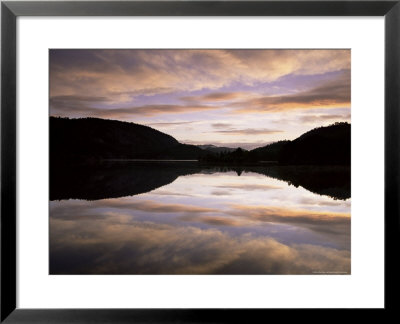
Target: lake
[[186, 218]]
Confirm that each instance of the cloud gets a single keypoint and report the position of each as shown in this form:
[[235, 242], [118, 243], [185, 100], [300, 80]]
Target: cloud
[[143, 92], [221, 193], [331, 226], [247, 186], [76, 104], [161, 192], [330, 94], [153, 206], [71, 107], [106, 237], [221, 125], [318, 221], [325, 117], [171, 124], [249, 131], [124, 74], [83, 210], [124, 77], [218, 221], [106, 247], [215, 97], [336, 203], [79, 99]]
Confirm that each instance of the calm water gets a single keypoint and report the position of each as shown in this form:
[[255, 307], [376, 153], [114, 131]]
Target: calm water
[[174, 219]]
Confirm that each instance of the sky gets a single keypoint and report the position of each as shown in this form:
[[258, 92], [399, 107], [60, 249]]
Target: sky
[[234, 98]]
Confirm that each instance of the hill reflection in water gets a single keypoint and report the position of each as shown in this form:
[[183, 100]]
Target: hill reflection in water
[[128, 178]]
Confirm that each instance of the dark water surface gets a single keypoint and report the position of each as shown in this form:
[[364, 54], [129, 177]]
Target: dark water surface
[[186, 218]]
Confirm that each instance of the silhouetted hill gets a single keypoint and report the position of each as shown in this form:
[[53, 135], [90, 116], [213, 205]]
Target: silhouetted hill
[[330, 145], [87, 139], [323, 145]]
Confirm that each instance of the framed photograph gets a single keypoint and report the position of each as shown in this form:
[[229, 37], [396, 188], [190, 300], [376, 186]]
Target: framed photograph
[[190, 161]]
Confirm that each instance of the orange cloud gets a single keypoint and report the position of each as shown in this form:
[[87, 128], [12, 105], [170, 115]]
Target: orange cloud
[[331, 94], [215, 97]]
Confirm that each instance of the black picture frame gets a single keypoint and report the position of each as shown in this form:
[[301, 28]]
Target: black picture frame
[[10, 10]]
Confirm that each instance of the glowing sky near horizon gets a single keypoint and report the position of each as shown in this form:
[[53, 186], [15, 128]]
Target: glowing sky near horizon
[[233, 98]]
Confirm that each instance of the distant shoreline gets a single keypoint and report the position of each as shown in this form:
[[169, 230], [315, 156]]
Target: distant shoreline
[[148, 160]]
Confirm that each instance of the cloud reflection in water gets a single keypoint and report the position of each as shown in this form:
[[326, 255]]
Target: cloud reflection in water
[[260, 226]]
